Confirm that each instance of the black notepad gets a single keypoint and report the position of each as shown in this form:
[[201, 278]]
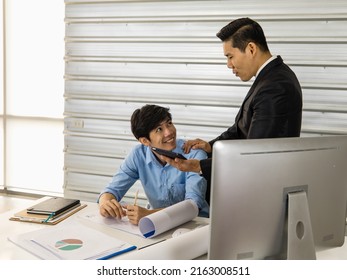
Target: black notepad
[[53, 206]]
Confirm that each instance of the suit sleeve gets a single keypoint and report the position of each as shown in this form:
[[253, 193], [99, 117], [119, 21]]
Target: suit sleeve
[[229, 134]]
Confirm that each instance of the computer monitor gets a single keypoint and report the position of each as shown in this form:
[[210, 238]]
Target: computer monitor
[[277, 198]]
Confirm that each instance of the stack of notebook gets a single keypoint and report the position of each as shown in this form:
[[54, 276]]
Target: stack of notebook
[[50, 211]]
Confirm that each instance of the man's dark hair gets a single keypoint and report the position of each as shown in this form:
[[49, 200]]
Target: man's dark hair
[[243, 31], [147, 118]]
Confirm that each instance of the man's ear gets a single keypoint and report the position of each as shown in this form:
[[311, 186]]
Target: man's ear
[[252, 48], [144, 141]]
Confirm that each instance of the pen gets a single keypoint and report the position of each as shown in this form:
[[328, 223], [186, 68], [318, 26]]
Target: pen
[[136, 195], [117, 253], [151, 244]]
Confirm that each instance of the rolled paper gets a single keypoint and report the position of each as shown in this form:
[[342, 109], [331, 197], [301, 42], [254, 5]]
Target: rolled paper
[[187, 246], [168, 218]]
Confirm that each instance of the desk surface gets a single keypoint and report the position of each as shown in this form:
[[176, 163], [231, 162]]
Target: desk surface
[[10, 250], [10, 228]]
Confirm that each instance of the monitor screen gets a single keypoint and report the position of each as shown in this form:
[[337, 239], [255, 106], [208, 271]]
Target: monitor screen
[[251, 183]]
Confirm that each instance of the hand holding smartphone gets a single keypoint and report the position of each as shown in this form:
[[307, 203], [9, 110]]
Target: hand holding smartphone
[[167, 153]]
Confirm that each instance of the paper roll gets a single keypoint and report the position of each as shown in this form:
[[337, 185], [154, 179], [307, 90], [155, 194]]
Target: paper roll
[[168, 218], [187, 246]]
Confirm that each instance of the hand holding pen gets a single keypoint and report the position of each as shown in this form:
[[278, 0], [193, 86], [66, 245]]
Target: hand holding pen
[[110, 207], [134, 211]]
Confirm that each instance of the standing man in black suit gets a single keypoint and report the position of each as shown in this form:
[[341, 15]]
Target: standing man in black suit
[[272, 107]]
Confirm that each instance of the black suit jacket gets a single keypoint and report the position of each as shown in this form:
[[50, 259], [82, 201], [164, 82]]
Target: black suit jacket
[[272, 108]]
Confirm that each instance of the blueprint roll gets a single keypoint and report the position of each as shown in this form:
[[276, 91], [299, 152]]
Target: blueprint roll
[[187, 246], [168, 218]]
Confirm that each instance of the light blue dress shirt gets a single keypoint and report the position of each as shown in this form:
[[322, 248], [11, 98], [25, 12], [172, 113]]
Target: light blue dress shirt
[[163, 185]]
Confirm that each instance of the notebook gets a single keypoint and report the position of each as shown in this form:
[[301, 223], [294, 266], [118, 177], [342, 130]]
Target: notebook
[[53, 206], [23, 216]]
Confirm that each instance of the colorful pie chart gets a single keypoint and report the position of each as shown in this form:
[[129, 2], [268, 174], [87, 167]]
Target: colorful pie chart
[[69, 244]]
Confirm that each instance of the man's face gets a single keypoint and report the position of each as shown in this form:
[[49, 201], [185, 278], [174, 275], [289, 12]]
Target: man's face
[[163, 136], [242, 63]]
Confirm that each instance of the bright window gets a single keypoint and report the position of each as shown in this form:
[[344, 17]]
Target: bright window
[[1, 101], [34, 91]]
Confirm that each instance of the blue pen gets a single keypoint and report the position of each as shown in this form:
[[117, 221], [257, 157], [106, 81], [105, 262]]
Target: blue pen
[[117, 253]]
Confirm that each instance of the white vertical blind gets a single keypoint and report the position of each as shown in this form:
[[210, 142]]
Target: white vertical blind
[[121, 55]]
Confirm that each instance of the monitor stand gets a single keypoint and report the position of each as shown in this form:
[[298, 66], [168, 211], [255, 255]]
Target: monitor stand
[[300, 242]]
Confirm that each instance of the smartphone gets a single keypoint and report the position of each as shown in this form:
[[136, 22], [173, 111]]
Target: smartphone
[[167, 153]]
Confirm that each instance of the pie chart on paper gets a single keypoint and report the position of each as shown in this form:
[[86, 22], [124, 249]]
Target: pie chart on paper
[[68, 244]]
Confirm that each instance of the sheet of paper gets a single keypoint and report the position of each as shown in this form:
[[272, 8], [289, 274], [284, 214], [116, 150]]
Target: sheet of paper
[[71, 242], [168, 218], [153, 224], [120, 224]]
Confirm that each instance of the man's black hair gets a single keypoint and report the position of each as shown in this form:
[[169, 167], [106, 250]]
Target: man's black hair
[[243, 31], [147, 118]]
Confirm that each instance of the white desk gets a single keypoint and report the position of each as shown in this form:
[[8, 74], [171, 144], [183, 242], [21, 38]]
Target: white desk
[[8, 228], [11, 251]]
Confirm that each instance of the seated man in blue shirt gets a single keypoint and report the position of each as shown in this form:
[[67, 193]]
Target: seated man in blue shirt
[[163, 184]]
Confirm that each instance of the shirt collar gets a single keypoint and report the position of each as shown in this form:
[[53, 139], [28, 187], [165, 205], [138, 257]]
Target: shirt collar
[[266, 63], [150, 157]]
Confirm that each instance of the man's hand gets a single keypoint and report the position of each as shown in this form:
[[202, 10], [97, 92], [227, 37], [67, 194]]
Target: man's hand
[[110, 207], [135, 213], [197, 144], [188, 165]]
